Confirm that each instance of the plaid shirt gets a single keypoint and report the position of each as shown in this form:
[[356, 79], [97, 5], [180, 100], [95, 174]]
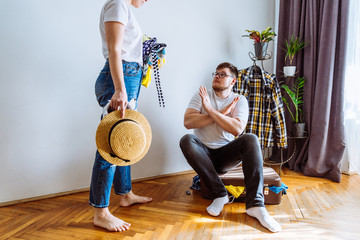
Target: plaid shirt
[[266, 111]]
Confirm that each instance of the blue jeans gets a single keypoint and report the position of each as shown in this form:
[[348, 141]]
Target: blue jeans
[[208, 162], [104, 173]]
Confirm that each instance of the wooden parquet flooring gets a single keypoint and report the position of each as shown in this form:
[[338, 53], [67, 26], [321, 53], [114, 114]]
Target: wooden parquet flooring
[[313, 208]]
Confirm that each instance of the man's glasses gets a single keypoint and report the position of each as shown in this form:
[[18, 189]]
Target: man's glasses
[[220, 75]]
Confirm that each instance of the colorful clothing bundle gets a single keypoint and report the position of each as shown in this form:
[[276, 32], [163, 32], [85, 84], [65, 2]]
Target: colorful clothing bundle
[[236, 191], [153, 58], [266, 110]]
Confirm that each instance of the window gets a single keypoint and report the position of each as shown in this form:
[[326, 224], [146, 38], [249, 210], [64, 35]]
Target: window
[[351, 159]]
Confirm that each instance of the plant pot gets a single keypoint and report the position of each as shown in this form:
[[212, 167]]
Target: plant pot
[[299, 130], [289, 71], [260, 49]]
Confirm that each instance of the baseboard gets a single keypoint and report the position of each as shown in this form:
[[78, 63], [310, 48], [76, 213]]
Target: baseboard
[[350, 173], [3, 204], [163, 176], [9, 203]]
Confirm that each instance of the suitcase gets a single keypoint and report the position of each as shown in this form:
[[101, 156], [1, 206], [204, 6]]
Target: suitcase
[[235, 177]]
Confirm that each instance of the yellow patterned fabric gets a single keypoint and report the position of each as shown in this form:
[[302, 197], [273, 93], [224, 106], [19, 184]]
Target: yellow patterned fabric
[[266, 110], [147, 79], [235, 191]]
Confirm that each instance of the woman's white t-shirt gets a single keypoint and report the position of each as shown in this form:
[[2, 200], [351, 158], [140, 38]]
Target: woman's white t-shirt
[[119, 11]]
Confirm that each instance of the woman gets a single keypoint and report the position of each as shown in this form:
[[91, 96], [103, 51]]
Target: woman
[[119, 82]]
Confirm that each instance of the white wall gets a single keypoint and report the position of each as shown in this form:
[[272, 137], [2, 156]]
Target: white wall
[[50, 56]]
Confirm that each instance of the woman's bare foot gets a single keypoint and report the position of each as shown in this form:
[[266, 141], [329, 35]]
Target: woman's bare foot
[[103, 218], [130, 199]]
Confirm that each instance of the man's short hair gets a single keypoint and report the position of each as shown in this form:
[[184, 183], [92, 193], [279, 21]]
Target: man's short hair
[[232, 68]]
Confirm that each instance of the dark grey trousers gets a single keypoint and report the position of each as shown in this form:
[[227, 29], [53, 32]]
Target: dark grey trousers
[[208, 162]]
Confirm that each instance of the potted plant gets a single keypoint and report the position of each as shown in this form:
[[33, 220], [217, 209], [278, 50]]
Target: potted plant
[[261, 41], [293, 46], [295, 94]]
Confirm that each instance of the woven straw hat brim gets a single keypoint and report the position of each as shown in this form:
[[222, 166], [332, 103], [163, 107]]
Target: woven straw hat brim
[[102, 136]]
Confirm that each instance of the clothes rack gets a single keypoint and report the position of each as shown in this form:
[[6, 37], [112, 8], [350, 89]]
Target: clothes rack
[[257, 88]]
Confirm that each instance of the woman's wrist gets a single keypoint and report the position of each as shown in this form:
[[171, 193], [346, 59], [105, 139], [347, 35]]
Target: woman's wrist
[[120, 90]]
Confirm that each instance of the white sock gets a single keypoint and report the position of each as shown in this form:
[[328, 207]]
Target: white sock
[[217, 206], [261, 214]]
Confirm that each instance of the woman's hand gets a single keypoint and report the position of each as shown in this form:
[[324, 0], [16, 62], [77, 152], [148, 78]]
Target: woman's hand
[[119, 102]]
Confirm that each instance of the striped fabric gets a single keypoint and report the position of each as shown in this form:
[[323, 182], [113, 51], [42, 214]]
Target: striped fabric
[[266, 111]]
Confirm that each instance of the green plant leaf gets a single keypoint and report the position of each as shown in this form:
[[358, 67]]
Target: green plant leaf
[[287, 105], [295, 93], [291, 94], [293, 46], [264, 36]]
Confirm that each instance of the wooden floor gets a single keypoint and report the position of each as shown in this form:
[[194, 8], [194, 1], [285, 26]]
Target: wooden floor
[[313, 208]]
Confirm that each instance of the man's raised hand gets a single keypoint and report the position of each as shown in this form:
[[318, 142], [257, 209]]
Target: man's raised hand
[[226, 110], [205, 99]]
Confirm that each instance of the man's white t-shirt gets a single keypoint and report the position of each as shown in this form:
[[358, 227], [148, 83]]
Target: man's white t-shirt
[[213, 136], [119, 11]]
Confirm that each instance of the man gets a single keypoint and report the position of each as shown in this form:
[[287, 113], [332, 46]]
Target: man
[[219, 144]]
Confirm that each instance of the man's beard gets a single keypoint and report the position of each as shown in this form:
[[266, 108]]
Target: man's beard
[[219, 88]]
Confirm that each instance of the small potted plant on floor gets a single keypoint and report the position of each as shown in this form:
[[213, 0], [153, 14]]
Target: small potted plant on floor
[[261, 41], [293, 46], [295, 94]]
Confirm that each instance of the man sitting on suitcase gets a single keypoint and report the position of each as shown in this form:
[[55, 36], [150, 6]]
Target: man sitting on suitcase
[[219, 144]]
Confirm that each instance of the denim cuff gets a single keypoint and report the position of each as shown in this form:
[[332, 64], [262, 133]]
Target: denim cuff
[[122, 193], [98, 206]]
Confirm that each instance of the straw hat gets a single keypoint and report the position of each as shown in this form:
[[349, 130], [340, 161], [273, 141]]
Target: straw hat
[[123, 141]]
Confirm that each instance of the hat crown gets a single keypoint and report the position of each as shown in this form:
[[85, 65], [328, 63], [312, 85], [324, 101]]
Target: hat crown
[[123, 140], [127, 140]]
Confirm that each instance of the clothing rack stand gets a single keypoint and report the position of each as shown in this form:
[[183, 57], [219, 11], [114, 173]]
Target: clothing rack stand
[[267, 162], [254, 58]]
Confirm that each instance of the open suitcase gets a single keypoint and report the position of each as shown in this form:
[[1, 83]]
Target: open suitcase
[[235, 177]]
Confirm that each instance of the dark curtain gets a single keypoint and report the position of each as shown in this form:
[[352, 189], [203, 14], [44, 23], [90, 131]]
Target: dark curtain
[[322, 63]]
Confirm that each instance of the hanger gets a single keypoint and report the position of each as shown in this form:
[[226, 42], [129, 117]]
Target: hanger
[[256, 69]]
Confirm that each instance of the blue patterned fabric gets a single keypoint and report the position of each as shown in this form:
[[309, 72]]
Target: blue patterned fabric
[[196, 183], [276, 190]]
